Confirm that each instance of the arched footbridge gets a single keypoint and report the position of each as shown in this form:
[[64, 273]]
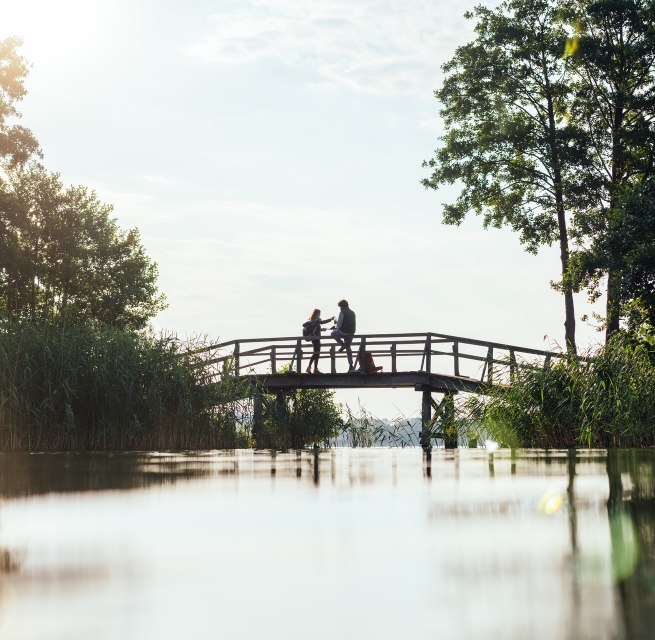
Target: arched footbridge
[[426, 362]]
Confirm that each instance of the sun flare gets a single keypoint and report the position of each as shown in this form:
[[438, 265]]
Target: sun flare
[[60, 31]]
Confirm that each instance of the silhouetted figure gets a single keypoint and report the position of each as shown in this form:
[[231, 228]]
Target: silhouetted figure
[[313, 328], [345, 331]]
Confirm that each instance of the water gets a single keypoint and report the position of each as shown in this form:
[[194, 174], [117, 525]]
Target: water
[[368, 543]]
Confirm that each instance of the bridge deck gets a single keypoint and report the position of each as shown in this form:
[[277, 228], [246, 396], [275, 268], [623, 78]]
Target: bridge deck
[[417, 380]]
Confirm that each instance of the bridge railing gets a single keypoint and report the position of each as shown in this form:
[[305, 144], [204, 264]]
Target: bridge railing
[[396, 352]]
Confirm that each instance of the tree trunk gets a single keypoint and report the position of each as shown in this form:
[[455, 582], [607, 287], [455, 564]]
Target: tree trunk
[[612, 311], [569, 309], [613, 307]]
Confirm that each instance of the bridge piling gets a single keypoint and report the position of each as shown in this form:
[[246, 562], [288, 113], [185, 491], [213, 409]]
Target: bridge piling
[[258, 420], [426, 417]]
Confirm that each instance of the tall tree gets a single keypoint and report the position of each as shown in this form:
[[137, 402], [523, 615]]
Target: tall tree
[[508, 140], [17, 144], [615, 106], [63, 255]]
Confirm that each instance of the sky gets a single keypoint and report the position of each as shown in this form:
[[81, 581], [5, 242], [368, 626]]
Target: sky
[[270, 153]]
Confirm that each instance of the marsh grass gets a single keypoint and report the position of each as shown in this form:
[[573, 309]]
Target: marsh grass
[[92, 387], [606, 399]]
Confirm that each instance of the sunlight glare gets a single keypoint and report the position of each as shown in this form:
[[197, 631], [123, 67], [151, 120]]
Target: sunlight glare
[[59, 32]]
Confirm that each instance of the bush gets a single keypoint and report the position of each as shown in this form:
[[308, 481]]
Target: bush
[[303, 417]]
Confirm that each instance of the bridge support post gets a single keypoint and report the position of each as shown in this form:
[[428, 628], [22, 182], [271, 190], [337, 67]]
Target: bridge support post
[[426, 417], [449, 424], [299, 356], [258, 420], [281, 415]]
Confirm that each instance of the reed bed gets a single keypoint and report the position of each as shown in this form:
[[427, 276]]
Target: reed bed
[[606, 399], [94, 387]]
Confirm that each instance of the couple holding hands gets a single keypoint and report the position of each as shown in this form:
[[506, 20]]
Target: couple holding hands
[[343, 333]]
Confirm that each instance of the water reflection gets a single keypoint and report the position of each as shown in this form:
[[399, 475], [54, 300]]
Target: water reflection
[[25, 474], [630, 507], [394, 543]]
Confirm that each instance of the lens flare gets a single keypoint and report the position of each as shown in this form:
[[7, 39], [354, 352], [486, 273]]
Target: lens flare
[[490, 445], [550, 502]]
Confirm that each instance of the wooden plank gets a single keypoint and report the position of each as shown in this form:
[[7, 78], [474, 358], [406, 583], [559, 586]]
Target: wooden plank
[[383, 339], [236, 359], [418, 380], [361, 354], [299, 356]]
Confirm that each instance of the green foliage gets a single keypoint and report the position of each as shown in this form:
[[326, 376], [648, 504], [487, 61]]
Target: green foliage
[[508, 140], [604, 400], [549, 119], [614, 85], [62, 255], [300, 418], [504, 99], [17, 144], [89, 386], [626, 248]]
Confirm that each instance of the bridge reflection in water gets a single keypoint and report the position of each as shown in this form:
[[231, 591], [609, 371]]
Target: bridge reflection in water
[[427, 362]]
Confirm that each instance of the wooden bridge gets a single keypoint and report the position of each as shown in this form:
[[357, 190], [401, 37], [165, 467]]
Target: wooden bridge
[[426, 362]]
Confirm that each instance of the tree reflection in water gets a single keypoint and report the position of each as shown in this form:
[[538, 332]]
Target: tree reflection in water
[[631, 515], [28, 474]]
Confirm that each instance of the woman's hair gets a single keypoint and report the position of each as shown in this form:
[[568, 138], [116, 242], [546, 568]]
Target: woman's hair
[[314, 314]]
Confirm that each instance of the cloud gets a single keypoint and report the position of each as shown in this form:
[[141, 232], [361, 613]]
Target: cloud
[[372, 46]]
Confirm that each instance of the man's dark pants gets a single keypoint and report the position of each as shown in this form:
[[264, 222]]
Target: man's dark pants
[[344, 339]]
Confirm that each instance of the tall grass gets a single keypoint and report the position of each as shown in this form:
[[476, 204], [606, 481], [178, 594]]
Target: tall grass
[[90, 387], [606, 399]]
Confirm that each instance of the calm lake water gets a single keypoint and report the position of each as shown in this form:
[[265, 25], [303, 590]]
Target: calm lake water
[[349, 543]]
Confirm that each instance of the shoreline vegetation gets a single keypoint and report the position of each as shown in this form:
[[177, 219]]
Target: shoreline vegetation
[[93, 387], [89, 386], [605, 399]]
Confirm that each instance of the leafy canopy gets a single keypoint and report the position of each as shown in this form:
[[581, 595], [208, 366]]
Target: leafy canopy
[[62, 254]]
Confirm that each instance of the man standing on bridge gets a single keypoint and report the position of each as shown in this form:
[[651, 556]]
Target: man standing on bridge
[[345, 330]]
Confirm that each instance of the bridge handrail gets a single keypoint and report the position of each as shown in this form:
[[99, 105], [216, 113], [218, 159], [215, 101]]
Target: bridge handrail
[[446, 337]]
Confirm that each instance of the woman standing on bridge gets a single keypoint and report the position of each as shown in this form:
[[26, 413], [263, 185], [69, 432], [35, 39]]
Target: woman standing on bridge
[[313, 328]]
